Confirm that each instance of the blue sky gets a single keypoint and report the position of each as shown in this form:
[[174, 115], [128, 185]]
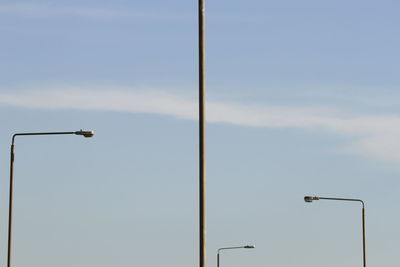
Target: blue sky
[[302, 99]]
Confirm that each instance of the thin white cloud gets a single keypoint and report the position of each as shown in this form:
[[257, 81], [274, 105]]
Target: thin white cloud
[[36, 10], [374, 136]]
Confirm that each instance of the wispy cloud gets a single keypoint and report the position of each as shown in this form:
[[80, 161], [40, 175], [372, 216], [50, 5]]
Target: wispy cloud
[[49, 11], [369, 135]]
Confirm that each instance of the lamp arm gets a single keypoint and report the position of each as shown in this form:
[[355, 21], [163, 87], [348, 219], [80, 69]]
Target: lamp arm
[[344, 199]]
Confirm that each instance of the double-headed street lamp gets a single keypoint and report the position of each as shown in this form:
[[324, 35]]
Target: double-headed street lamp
[[10, 203], [311, 199], [247, 246]]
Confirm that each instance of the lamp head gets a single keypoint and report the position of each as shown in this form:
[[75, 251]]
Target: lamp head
[[310, 198], [250, 246], [86, 134]]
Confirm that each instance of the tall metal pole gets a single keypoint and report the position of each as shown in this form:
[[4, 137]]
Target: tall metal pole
[[202, 133], [10, 204], [363, 229]]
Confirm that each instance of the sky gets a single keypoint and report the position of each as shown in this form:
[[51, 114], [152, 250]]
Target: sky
[[302, 99]]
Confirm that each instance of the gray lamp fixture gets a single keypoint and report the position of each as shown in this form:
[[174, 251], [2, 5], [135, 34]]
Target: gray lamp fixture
[[86, 134]]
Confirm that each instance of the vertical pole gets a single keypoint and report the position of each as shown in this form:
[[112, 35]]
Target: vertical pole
[[218, 259], [202, 153], [10, 205], [363, 229]]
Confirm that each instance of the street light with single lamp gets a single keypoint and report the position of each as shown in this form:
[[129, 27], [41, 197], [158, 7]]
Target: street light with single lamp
[[86, 134], [310, 199], [247, 246]]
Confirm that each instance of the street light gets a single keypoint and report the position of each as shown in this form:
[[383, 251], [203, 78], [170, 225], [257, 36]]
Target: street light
[[86, 134], [247, 246], [310, 199]]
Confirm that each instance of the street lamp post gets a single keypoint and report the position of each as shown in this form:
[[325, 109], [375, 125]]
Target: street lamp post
[[311, 199], [10, 203], [247, 246]]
